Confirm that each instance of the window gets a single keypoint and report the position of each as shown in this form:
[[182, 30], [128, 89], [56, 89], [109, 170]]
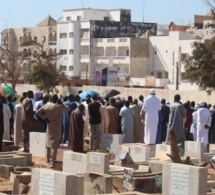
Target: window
[[184, 57], [106, 19], [63, 51], [71, 35], [20, 39], [127, 52], [63, 35], [78, 18], [68, 18], [62, 68], [159, 75], [71, 68], [71, 51], [35, 39], [43, 39]]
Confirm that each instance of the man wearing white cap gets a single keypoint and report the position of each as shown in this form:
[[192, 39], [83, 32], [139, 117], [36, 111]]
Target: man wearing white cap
[[151, 106], [203, 123]]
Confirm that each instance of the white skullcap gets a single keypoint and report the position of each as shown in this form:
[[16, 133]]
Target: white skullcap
[[152, 91], [196, 107], [212, 109], [201, 104]]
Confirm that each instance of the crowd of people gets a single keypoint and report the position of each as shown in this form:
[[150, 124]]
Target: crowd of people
[[69, 120]]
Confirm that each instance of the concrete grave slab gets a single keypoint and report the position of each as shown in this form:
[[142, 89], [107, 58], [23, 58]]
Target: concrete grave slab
[[111, 142], [97, 162], [37, 144], [13, 160], [139, 153], [179, 179], [74, 162], [45, 181], [161, 151]]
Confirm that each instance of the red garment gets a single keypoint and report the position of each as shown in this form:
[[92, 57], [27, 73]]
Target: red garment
[[189, 119]]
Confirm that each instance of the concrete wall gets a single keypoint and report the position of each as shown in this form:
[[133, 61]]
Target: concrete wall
[[196, 96]]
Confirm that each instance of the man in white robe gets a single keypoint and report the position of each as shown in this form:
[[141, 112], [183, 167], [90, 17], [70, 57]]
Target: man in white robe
[[203, 124], [151, 106], [193, 128]]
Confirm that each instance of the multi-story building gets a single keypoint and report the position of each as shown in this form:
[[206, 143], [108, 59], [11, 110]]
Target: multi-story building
[[45, 33], [90, 38]]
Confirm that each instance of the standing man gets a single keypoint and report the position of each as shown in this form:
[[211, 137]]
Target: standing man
[[137, 122], [177, 114], [66, 116], [127, 123], [165, 111], [151, 107], [29, 123], [95, 120], [1, 124], [76, 130], [113, 117], [203, 124], [18, 123], [52, 113], [11, 105]]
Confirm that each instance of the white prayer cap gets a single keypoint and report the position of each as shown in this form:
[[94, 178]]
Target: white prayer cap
[[196, 107], [201, 104], [212, 109], [152, 91]]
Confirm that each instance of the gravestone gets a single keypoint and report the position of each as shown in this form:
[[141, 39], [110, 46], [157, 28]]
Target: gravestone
[[162, 150], [37, 144], [97, 162], [111, 142], [180, 179], [74, 162], [195, 150], [212, 148], [49, 182], [139, 153]]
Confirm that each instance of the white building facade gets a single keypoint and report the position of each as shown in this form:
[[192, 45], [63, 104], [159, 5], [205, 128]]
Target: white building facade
[[89, 38]]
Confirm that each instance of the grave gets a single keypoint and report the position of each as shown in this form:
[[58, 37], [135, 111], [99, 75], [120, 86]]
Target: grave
[[38, 144], [97, 183], [97, 162], [111, 142], [180, 179], [161, 151], [45, 181], [196, 151], [13, 160], [212, 148], [74, 162], [139, 153]]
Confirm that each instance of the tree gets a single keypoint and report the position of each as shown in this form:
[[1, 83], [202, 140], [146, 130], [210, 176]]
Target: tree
[[11, 66], [200, 67], [44, 72]]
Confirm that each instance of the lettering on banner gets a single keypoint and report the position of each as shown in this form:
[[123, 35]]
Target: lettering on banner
[[95, 159], [192, 147], [179, 180], [77, 157], [46, 184], [128, 179]]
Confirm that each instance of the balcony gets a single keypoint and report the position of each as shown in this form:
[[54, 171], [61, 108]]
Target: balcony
[[84, 58], [84, 41], [113, 42], [112, 60]]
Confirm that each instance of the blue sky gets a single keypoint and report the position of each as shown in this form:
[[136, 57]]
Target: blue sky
[[25, 13]]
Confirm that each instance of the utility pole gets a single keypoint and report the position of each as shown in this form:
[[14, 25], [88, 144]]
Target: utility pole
[[143, 10]]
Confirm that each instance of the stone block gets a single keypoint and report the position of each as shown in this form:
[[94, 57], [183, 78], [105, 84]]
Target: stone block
[[179, 179], [195, 150], [97, 184], [13, 160], [60, 153], [23, 178], [38, 144], [45, 181], [155, 166], [111, 142], [212, 148], [97, 162], [74, 162], [5, 170], [139, 153], [162, 150], [27, 155]]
